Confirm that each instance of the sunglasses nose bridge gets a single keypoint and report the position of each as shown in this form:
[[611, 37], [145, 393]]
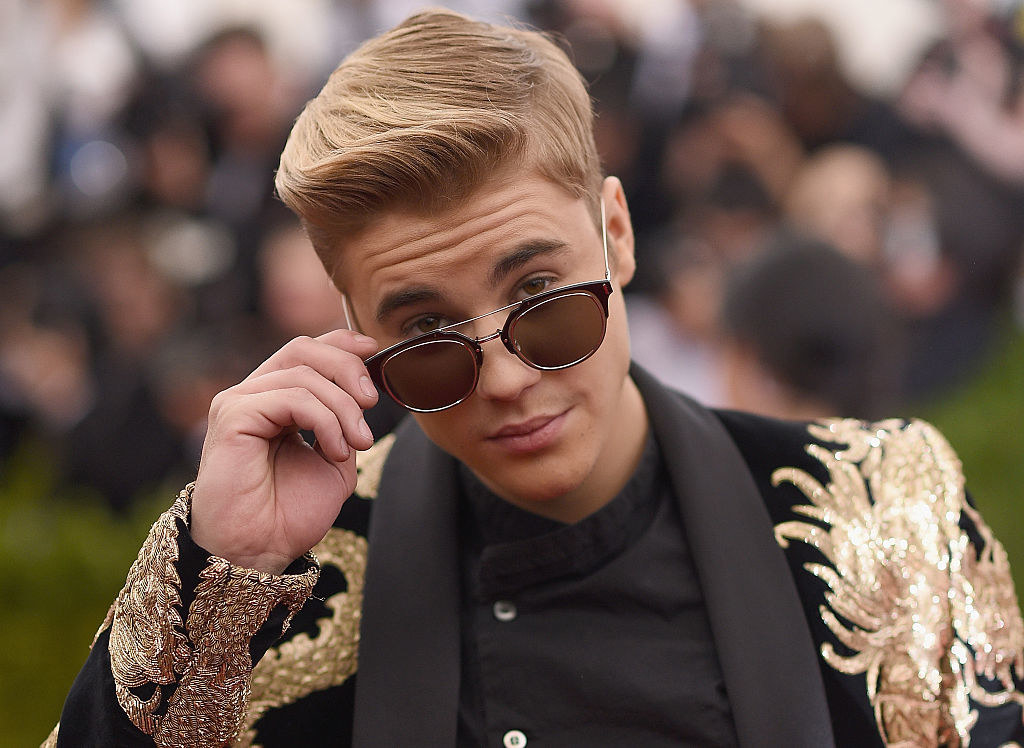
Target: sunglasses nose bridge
[[498, 335], [488, 338], [506, 340]]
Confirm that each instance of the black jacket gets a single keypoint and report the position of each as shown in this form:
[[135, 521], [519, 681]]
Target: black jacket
[[855, 596]]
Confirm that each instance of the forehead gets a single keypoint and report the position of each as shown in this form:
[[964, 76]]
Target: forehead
[[461, 244]]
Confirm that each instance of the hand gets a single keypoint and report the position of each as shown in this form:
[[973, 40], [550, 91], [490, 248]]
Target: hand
[[263, 497]]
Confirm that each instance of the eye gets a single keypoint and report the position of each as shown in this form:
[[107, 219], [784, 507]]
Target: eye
[[425, 323], [536, 285]]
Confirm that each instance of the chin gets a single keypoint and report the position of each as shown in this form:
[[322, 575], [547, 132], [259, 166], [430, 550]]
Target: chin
[[538, 485]]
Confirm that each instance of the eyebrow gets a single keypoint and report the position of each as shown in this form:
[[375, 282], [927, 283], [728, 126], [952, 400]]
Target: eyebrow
[[504, 267], [520, 256], [406, 297]]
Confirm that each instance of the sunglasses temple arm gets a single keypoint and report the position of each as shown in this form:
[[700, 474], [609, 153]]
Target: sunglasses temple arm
[[348, 314], [604, 242]]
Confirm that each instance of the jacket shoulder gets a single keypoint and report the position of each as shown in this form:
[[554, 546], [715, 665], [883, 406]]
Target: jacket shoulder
[[906, 590]]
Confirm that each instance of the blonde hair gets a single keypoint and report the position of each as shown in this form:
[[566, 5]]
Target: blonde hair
[[421, 115]]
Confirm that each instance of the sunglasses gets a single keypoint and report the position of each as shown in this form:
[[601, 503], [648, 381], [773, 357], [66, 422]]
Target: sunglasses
[[552, 330]]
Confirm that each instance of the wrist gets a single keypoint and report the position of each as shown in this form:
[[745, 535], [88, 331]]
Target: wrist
[[212, 544], [269, 563]]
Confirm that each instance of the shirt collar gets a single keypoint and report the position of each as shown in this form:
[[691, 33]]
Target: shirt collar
[[518, 548]]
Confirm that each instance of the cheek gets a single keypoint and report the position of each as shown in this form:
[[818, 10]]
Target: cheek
[[615, 348], [446, 428]]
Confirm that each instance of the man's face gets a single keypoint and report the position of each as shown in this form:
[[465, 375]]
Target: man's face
[[553, 442]]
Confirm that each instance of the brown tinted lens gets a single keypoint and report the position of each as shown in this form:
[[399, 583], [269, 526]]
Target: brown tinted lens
[[559, 332], [431, 375]]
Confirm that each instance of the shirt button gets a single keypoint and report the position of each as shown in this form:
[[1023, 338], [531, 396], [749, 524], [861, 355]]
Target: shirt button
[[514, 739], [506, 611]]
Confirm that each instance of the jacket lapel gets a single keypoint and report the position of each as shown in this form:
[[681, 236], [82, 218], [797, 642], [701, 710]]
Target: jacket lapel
[[407, 687], [764, 645]]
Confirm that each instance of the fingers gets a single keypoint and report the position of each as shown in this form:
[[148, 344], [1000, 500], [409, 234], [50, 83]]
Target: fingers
[[318, 384], [337, 356], [256, 474], [282, 409], [311, 395]]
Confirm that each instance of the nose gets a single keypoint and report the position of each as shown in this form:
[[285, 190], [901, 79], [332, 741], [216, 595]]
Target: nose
[[503, 377]]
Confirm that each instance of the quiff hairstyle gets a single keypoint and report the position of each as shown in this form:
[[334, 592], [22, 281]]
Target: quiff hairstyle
[[419, 116]]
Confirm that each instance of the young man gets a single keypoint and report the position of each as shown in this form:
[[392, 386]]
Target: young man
[[553, 549]]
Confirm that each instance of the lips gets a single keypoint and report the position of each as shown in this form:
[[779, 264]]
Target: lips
[[521, 429], [530, 435]]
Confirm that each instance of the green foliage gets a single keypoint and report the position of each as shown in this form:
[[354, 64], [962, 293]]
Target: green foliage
[[983, 421], [62, 561]]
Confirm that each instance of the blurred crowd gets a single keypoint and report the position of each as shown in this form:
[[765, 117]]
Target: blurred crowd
[[809, 244]]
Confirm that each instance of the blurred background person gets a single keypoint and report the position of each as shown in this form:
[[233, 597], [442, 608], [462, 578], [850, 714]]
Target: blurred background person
[[807, 334], [296, 295], [673, 328]]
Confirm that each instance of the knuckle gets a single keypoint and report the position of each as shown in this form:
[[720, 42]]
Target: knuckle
[[292, 348], [302, 371], [218, 402], [303, 395]]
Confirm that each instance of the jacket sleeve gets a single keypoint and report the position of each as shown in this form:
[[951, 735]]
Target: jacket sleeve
[[172, 662]]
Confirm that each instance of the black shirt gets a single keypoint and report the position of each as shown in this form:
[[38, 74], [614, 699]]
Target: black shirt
[[593, 633]]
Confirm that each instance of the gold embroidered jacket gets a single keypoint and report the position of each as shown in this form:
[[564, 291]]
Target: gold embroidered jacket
[[855, 595]]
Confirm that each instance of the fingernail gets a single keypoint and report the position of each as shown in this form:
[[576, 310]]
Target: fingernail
[[345, 451], [365, 430], [360, 338], [367, 387]]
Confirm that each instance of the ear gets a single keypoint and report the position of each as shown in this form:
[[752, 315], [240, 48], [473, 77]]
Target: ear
[[620, 231]]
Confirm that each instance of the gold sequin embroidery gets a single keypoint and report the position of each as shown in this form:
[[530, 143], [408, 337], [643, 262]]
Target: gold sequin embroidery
[[211, 702], [370, 466], [147, 644], [230, 606], [149, 647], [921, 614], [303, 664]]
